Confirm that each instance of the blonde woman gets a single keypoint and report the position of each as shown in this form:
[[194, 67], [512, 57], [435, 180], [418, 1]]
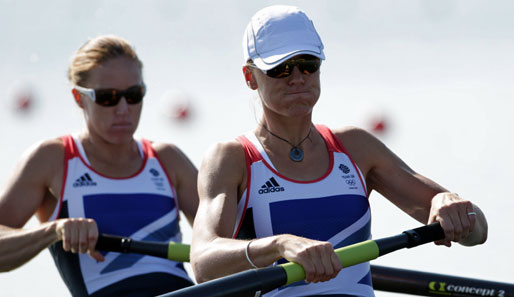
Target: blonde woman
[[101, 180]]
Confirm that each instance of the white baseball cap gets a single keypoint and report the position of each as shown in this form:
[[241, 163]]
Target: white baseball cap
[[278, 32]]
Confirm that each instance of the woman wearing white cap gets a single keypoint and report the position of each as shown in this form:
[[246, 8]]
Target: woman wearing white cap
[[291, 189]]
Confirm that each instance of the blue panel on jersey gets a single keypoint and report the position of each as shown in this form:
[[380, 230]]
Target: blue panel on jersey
[[165, 233], [360, 235], [366, 280], [125, 214], [127, 260], [299, 283], [317, 218]]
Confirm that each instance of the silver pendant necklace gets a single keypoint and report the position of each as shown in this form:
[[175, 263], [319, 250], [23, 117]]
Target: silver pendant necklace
[[296, 153]]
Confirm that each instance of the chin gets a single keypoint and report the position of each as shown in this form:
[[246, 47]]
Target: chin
[[300, 110], [120, 138]]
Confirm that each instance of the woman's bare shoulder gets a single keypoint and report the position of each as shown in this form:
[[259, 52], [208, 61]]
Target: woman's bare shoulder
[[48, 151]]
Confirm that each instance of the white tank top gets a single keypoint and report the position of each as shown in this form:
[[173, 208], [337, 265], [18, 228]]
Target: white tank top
[[331, 208], [142, 206]]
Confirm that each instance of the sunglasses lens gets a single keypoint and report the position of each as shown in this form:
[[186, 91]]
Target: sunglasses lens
[[308, 66], [106, 97], [111, 97], [135, 94], [282, 70], [305, 65]]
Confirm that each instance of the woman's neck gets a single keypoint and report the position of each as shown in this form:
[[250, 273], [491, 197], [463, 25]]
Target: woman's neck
[[111, 158], [294, 129]]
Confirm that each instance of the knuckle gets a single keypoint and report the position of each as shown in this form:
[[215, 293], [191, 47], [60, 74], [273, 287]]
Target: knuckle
[[449, 228], [327, 246], [67, 223], [457, 231], [443, 211], [303, 253]]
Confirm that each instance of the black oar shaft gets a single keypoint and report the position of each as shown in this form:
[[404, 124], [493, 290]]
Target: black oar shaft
[[241, 284], [410, 238], [424, 234], [113, 243], [384, 278], [157, 249], [168, 250], [433, 284], [127, 245], [248, 282]]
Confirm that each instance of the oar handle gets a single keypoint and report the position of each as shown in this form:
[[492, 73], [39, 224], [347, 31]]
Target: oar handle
[[424, 234], [113, 243], [266, 279], [168, 250], [372, 249], [410, 238], [348, 255]]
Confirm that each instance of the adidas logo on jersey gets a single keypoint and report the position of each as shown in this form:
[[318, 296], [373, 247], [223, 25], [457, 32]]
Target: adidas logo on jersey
[[271, 186], [84, 180]]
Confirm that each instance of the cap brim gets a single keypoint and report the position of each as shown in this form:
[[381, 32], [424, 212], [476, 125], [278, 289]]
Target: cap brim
[[272, 60]]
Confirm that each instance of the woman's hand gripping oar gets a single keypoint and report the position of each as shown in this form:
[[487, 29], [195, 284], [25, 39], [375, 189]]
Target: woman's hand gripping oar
[[255, 282]]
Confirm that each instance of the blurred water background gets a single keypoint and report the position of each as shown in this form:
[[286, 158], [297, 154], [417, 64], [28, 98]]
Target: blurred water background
[[437, 74]]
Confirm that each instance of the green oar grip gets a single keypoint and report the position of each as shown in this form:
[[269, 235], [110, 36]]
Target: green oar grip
[[178, 252], [358, 253], [294, 272], [348, 255]]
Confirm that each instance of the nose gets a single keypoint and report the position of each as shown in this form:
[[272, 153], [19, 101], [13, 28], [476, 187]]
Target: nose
[[296, 76], [122, 106]]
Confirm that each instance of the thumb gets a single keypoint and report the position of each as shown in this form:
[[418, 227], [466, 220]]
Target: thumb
[[96, 255]]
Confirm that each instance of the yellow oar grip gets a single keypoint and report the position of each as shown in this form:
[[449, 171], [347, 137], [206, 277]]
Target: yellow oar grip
[[348, 255], [178, 252]]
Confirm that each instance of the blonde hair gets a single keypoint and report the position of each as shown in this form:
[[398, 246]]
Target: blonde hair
[[95, 52]]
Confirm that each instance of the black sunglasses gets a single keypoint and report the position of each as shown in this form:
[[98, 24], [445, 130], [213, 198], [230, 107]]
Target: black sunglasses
[[307, 64], [111, 97]]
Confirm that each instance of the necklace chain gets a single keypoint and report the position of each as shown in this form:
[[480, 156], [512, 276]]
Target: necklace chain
[[296, 153]]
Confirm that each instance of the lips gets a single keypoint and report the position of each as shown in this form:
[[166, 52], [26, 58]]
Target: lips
[[122, 125], [297, 93]]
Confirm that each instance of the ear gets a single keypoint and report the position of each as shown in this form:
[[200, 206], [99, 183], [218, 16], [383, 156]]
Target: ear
[[78, 99], [250, 80]]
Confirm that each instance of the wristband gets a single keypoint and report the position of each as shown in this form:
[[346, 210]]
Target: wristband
[[247, 256]]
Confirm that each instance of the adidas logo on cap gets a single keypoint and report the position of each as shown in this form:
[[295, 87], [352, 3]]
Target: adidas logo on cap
[[271, 186], [84, 180]]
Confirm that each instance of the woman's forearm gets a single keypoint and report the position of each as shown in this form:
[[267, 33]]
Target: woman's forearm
[[18, 246]]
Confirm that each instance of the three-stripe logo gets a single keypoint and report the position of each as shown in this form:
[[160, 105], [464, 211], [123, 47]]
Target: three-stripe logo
[[84, 180], [271, 186]]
